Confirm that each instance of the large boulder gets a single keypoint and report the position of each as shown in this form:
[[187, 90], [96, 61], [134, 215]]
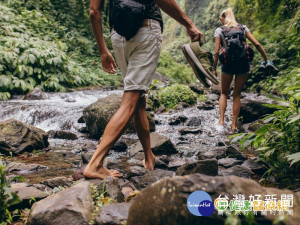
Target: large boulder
[[98, 114], [113, 213], [36, 94], [252, 110], [168, 201], [160, 145], [18, 137], [71, 206]]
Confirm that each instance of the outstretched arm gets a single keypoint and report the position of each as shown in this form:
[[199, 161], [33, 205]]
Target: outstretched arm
[[257, 45], [172, 9], [108, 62]]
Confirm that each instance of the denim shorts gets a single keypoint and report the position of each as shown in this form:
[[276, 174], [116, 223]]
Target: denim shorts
[[240, 68], [138, 57]]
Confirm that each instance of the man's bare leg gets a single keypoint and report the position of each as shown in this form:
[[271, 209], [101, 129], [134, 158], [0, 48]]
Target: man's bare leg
[[141, 125], [112, 133]]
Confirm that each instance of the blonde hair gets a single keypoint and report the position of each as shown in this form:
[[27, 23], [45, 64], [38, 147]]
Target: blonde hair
[[230, 20]]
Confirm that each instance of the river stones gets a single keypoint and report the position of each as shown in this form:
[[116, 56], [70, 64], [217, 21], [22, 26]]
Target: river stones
[[98, 114], [36, 94], [177, 120], [238, 170], [71, 206], [208, 167], [168, 199], [160, 145], [62, 134], [229, 162], [252, 110], [56, 182], [120, 146], [18, 137], [24, 168], [193, 122], [113, 213], [255, 166], [197, 89], [211, 153]]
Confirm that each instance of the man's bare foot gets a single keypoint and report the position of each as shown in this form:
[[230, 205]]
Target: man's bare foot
[[221, 123], [100, 173], [233, 127], [149, 164]]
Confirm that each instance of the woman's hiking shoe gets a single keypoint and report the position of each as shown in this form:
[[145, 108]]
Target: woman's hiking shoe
[[201, 62], [270, 68], [262, 67]]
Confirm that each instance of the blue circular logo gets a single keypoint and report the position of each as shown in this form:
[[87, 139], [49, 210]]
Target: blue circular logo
[[199, 203]]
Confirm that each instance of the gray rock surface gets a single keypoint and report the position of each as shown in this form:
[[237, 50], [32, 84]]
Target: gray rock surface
[[208, 167], [113, 213]]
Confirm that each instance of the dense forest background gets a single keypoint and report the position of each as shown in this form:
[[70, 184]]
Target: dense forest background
[[50, 44]]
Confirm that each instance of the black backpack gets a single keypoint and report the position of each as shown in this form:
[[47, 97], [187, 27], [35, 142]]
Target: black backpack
[[126, 16], [234, 46]]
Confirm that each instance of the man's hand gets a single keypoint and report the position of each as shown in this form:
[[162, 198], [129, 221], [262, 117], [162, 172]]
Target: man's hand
[[195, 34], [108, 63]]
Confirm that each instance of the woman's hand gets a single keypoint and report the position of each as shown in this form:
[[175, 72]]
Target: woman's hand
[[108, 63]]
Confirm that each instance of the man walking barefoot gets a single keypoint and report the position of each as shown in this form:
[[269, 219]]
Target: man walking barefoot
[[137, 59]]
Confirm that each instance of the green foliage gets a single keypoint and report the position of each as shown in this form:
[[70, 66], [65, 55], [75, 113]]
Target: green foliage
[[172, 95], [7, 197], [277, 140]]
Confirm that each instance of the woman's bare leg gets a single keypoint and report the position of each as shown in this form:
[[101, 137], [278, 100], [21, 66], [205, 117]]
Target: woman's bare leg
[[240, 81], [225, 88], [112, 133]]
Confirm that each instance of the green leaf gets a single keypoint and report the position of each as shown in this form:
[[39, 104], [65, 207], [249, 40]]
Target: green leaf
[[294, 118], [293, 158]]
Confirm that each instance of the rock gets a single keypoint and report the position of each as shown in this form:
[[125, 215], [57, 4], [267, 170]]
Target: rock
[[204, 106], [113, 213], [36, 94], [18, 137], [90, 146], [61, 134], [216, 89], [229, 162], [239, 171], [178, 120], [177, 162], [252, 110], [26, 193], [213, 97], [71, 206], [70, 99], [182, 105], [83, 130], [255, 125], [120, 146], [151, 177], [86, 156], [196, 89], [56, 182], [160, 145], [208, 167], [78, 174], [168, 199], [136, 171], [126, 191], [163, 79], [255, 166], [211, 153], [24, 168], [232, 152], [81, 120], [185, 131], [98, 114], [194, 122], [112, 187]]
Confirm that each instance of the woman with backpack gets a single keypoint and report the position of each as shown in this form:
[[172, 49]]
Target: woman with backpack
[[235, 57]]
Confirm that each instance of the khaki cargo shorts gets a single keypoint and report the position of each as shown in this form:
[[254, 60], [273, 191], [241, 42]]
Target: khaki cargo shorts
[[138, 57]]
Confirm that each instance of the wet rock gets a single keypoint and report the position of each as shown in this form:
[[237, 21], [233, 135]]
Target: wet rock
[[83, 130], [98, 114], [18, 137], [160, 145], [57, 181], [89, 146], [78, 174], [160, 164], [122, 164], [71, 206], [255, 166], [216, 89], [51, 133], [24, 168], [170, 194], [86, 156], [185, 131], [232, 152], [178, 120], [208, 167], [177, 162], [213, 97], [120, 146], [26, 193], [205, 106], [80, 120], [194, 122], [239, 171], [211, 153], [160, 110], [42, 187], [126, 191], [151, 177], [252, 110], [136, 171], [229, 162], [67, 135], [255, 125], [36, 94], [196, 89], [70, 99], [113, 213], [182, 105]]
